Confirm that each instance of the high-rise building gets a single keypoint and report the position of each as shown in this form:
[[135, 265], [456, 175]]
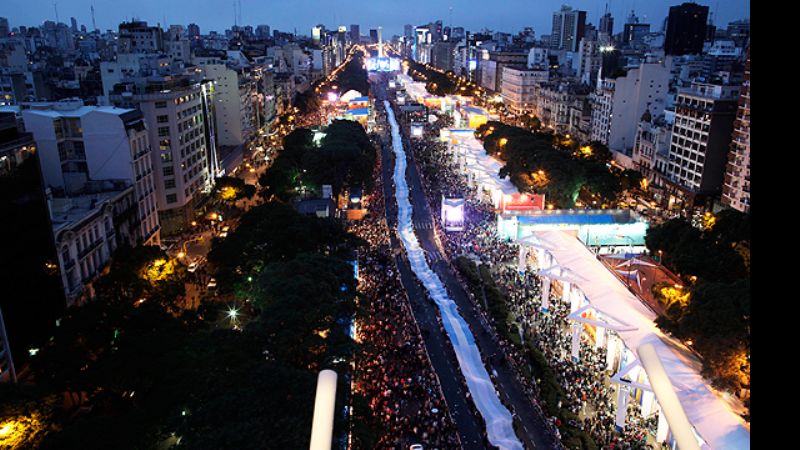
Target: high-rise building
[[633, 32], [607, 23], [176, 123], [736, 187], [518, 86], [568, 29], [4, 28], [408, 31], [29, 308], [82, 146], [701, 138], [355, 33], [137, 37], [373, 35], [193, 30], [619, 103], [442, 55], [686, 29], [262, 32]]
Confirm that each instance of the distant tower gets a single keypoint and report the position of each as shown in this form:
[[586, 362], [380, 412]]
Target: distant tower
[[94, 25], [380, 42]]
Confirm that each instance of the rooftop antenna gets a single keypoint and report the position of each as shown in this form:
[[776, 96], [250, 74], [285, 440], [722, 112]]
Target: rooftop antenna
[[55, 6], [94, 25], [716, 9], [234, 13]]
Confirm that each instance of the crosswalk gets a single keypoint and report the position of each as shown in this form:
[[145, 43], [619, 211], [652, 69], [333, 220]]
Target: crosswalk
[[423, 224]]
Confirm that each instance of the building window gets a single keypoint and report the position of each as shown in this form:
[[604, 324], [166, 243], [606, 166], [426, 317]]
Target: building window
[[169, 171], [169, 184], [172, 198], [161, 104], [162, 119], [166, 157], [163, 131]]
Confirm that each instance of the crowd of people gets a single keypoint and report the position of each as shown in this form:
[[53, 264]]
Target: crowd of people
[[589, 394], [393, 372]]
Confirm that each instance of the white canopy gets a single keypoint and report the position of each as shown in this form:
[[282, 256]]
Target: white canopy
[[483, 170], [350, 95], [714, 420]]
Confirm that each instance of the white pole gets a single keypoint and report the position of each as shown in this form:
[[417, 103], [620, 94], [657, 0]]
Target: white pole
[[671, 406], [322, 425]]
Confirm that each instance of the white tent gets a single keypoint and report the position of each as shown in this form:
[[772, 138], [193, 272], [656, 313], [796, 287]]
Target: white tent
[[713, 420], [350, 95], [482, 170]]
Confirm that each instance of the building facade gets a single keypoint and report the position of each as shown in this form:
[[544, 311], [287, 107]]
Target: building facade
[[518, 87], [174, 114], [701, 137], [736, 187], [686, 29], [81, 146]]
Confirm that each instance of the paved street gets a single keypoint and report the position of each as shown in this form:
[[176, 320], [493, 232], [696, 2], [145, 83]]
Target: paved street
[[533, 428]]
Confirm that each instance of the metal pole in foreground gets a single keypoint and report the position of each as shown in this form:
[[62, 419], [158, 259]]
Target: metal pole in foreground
[[5, 352], [322, 425]]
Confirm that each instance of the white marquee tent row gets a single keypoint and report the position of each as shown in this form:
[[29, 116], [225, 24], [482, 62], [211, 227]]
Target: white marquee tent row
[[627, 328], [482, 170], [499, 424]]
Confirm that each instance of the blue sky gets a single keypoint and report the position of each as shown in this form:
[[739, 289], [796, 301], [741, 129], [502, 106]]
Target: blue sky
[[285, 15]]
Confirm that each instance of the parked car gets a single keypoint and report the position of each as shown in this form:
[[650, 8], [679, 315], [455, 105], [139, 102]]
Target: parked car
[[212, 284]]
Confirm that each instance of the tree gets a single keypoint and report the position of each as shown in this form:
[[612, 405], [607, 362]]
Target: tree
[[305, 304], [231, 189], [345, 156], [282, 178], [143, 272], [273, 232]]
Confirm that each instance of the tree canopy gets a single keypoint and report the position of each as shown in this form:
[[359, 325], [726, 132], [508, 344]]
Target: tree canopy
[[714, 263], [273, 232], [556, 167]]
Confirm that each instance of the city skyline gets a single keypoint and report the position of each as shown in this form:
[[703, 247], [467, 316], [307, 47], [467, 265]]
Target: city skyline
[[217, 15]]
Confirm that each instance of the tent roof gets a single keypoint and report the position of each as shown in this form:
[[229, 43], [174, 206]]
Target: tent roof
[[483, 167], [350, 95], [714, 420]]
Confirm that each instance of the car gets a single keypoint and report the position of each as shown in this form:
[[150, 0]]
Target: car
[[212, 284], [193, 266], [224, 232], [416, 447]]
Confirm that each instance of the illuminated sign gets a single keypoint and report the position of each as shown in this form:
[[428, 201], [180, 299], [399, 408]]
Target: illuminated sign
[[453, 213], [416, 130], [383, 64], [522, 202]]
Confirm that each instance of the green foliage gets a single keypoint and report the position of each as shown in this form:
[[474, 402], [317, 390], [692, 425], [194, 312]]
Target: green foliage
[[717, 316], [345, 156], [307, 102], [565, 171], [223, 185], [127, 280], [282, 178], [161, 368], [273, 232], [353, 76], [301, 303]]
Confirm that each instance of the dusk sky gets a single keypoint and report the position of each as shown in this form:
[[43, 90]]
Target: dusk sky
[[286, 15]]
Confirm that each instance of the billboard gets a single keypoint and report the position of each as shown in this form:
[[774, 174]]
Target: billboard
[[453, 213], [383, 64], [522, 202]]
